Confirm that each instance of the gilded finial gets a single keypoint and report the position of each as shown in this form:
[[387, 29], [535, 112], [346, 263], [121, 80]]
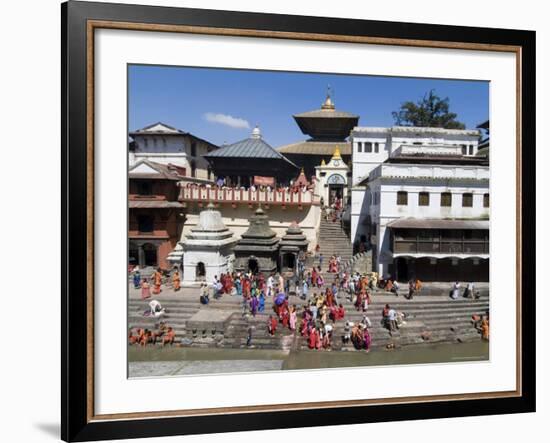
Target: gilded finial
[[328, 104], [336, 154], [323, 163]]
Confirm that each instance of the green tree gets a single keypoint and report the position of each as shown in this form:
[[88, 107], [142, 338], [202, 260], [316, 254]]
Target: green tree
[[431, 111]]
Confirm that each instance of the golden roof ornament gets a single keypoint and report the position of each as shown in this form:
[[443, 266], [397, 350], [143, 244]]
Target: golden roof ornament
[[328, 104], [323, 163], [336, 155]]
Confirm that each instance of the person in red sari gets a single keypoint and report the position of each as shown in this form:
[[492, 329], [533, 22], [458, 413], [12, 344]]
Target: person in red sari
[[329, 298], [314, 277], [340, 312], [312, 339], [246, 288], [318, 339], [303, 328], [272, 325], [228, 286], [285, 317]]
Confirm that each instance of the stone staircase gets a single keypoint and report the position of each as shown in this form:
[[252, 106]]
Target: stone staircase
[[333, 241], [444, 319]]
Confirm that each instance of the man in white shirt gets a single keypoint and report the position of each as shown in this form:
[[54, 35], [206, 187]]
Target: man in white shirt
[[392, 319]]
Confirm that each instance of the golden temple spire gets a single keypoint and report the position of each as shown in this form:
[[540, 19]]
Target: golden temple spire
[[336, 155], [323, 163], [328, 104]]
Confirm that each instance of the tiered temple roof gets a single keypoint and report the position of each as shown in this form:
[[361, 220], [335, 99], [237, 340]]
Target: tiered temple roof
[[258, 243], [294, 239]]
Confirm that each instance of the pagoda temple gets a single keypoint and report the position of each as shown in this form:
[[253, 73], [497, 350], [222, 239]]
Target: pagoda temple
[[258, 247], [251, 161], [328, 128]]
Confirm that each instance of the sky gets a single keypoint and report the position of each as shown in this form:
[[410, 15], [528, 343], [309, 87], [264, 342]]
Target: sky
[[224, 105]]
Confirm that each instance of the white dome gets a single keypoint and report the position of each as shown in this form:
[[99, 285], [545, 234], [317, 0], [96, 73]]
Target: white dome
[[256, 133]]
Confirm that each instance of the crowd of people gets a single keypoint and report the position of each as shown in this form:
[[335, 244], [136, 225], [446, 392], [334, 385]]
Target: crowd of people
[[321, 293], [142, 336], [157, 279]]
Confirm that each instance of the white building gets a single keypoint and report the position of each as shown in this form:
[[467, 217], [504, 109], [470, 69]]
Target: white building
[[207, 249], [421, 197], [164, 144]]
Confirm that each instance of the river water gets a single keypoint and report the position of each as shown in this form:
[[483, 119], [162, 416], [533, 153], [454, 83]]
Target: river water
[[237, 360]]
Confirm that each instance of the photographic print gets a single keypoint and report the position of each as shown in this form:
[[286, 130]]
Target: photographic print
[[252, 199], [297, 221]]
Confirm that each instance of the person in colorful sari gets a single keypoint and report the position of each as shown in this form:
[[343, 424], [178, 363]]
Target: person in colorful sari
[[261, 302], [145, 291], [484, 328], [314, 277], [293, 318], [246, 288], [318, 339], [312, 339], [254, 305], [366, 339], [329, 298], [176, 280], [272, 325], [157, 281]]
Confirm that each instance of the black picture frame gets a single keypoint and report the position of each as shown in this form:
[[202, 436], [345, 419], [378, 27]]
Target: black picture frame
[[77, 425]]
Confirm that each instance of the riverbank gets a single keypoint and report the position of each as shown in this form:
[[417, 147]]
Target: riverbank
[[175, 361]]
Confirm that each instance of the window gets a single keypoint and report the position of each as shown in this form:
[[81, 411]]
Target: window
[[164, 141], [155, 142], [376, 147], [368, 147], [446, 199], [209, 173], [424, 199], [485, 200], [464, 149], [145, 188], [146, 142], [359, 146], [467, 200], [193, 168], [193, 150], [471, 150], [145, 223], [402, 198]]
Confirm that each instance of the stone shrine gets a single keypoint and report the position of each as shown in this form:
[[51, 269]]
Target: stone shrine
[[257, 250], [208, 249], [291, 245]]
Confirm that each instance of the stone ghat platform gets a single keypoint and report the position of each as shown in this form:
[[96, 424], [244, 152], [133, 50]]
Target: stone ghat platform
[[222, 323]]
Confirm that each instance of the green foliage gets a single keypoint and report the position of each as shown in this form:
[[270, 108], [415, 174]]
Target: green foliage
[[430, 111]]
